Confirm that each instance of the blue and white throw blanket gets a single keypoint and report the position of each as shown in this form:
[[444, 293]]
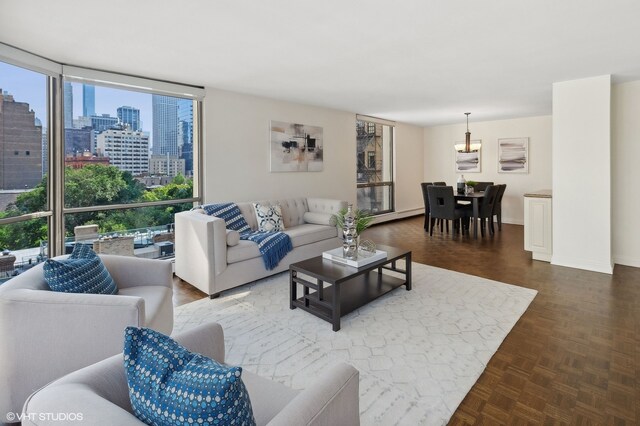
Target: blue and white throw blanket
[[273, 246]]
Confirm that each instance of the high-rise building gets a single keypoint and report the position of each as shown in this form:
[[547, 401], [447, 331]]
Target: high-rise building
[[103, 122], [68, 105], [80, 122], [45, 151], [165, 125], [185, 120], [166, 165], [20, 145], [126, 149], [185, 133], [130, 116], [78, 140], [88, 100]]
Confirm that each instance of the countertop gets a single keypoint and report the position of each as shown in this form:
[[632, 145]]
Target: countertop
[[543, 193]]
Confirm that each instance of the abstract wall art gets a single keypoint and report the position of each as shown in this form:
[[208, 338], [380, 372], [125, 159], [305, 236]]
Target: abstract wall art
[[296, 147], [513, 155], [468, 160]]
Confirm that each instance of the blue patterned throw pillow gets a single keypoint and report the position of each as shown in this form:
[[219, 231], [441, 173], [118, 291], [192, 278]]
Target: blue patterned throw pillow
[[168, 385], [230, 213], [82, 272]]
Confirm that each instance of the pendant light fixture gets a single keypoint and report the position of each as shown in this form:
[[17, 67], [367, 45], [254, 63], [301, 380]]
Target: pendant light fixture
[[467, 136]]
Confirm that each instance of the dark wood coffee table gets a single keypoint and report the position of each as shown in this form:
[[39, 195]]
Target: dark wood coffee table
[[340, 289]]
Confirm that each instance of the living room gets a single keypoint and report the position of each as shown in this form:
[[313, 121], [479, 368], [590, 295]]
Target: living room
[[572, 92]]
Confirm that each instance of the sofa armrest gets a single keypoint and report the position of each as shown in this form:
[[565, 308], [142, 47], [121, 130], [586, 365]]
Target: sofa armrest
[[134, 271], [332, 400], [201, 249], [76, 330], [100, 391]]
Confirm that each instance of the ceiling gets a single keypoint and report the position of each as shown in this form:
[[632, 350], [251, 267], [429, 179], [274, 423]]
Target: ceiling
[[423, 62]]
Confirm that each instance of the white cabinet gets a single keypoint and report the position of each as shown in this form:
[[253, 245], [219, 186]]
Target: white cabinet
[[537, 225]]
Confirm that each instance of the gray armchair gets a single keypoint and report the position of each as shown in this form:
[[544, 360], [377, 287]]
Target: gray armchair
[[45, 334], [101, 394]]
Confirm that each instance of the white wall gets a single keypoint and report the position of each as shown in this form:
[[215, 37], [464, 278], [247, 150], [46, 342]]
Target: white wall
[[439, 157], [625, 173], [236, 157], [236, 152], [582, 174], [408, 152]]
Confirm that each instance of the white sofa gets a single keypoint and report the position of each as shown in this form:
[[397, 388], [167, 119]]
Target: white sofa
[[206, 260], [100, 393], [45, 334]]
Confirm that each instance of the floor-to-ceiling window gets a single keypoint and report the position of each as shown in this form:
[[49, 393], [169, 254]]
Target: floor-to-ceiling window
[[24, 146], [374, 165], [83, 147], [135, 150]]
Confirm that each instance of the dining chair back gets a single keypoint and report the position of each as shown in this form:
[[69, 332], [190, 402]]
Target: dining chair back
[[440, 183], [497, 208], [485, 211], [481, 186], [442, 205], [425, 197]]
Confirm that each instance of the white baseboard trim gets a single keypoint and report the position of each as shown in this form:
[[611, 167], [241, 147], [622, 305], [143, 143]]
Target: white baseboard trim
[[626, 261], [398, 215], [588, 265]]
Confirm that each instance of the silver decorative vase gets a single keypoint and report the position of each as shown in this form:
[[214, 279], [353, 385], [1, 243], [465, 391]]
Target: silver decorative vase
[[349, 235]]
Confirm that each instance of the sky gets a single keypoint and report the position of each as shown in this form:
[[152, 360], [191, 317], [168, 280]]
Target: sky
[[30, 87]]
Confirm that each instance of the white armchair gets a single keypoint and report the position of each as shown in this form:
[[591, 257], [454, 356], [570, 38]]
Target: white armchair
[[45, 334], [101, 394]]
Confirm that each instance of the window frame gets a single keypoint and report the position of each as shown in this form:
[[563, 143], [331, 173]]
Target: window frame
[[370, 123], [56, 75]]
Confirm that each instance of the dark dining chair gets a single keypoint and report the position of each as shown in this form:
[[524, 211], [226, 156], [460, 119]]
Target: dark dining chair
[[497, 208], [425, 197], [485, 210], [481, 186], [442, 205], [440, 183]]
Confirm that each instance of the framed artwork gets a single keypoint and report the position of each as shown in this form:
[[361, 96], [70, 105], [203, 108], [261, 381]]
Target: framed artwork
[[513, 155], [468, 162], [295, 147]]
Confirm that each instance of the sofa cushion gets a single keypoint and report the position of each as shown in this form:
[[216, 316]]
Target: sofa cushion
[[168, 384], [310, 233], [244, 250], [293, 210], [269, 217], [300, 235], [82, 272]]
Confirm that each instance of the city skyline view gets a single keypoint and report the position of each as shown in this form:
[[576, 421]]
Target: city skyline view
[[30, 87], [102, 125]]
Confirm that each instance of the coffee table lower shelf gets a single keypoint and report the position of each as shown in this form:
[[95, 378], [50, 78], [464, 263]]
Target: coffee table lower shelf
[[350, 294]]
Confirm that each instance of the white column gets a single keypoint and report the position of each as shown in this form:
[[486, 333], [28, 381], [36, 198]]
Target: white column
[[581, 157]]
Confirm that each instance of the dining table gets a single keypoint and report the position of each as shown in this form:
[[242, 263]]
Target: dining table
[[475, 198]]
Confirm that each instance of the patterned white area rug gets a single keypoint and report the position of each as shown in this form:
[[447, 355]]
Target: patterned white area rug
[[418, 352]]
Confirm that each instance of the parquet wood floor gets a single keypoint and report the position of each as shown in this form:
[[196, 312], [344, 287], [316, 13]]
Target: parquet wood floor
[[573, 357]]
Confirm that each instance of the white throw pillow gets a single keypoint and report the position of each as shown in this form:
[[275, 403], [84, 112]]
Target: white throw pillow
[[318, 218], [269, 217], [233, 237]]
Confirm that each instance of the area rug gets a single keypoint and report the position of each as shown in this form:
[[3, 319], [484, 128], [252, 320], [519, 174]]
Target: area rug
[[418, 352]]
